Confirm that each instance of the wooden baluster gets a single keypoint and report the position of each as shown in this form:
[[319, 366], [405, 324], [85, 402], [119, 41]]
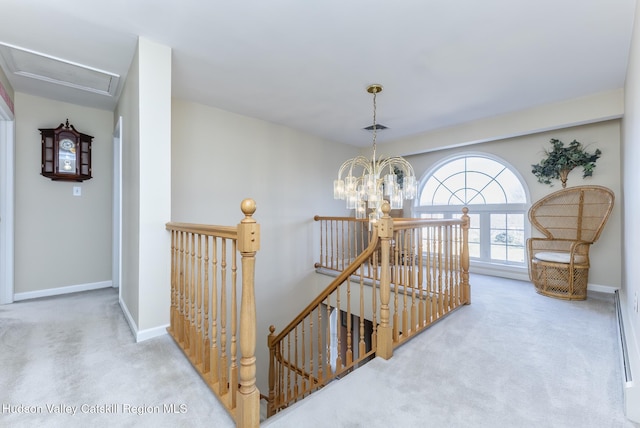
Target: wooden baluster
[[303, 380], [332, 256], [327, 367], [397, 270], [434, 274], [440, 279], [320, 361], [193, 338], [385, 232], [361, 342], [187, 293], [289, 371], [271, 407], [179, 290], [281, 368], [338, 335], [172, 319], [207, 342], [411, 262], [405, 268], [349, 354], [311, 353], [296, 363], [453, 244], [200, 339], [215, 353], [233, 376], [223, 383], [181, 302], [374, 306], [445, 270], [323, 261], [466, 288], [248, 244], [423, 292]]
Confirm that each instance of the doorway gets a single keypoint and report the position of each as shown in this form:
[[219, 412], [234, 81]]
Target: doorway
[[116, 270]]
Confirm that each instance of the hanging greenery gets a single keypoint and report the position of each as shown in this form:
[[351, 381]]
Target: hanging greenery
[[561, 160]]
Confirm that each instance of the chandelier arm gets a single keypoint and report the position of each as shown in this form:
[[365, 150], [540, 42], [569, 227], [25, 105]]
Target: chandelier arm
[[399, 162], [351, 163]]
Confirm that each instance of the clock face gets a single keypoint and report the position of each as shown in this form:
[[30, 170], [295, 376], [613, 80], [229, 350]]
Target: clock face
[[67, 144]]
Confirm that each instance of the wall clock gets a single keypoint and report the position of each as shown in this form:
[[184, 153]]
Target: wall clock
[[66, 153]]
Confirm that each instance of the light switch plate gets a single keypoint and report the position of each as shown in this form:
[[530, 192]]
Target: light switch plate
[[77, 191]]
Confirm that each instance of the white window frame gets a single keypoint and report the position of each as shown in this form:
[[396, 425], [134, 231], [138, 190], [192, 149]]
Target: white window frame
[[484, 264]]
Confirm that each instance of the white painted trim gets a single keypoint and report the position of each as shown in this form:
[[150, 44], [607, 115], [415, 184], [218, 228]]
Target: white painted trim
[[141, 335], [127, 315], [631, 387], [602, 288], [150, 333], [116, 270], [7, 202], [61, 290]]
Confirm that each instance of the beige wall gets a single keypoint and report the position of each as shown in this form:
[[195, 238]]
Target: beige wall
[[577, 111], [145, 107], [128, 108], [61, 240], [219, 158], [522, 152]]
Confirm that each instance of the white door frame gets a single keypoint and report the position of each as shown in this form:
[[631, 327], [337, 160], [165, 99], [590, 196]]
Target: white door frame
[[7, 202], [116, 271]]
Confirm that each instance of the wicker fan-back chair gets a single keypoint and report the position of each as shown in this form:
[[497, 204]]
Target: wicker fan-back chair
[[571, 220]]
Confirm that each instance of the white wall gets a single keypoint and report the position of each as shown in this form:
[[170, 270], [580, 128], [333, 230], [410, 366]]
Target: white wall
[[521, 152], [220, 158], [61, 240], [631, 206]]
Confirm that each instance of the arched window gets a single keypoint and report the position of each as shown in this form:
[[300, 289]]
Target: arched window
[[497, 201]]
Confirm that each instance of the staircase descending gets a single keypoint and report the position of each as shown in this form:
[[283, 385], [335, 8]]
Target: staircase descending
[[393, 280]]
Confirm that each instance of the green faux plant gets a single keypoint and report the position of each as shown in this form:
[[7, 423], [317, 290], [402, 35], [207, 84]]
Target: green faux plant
[[561, 160]]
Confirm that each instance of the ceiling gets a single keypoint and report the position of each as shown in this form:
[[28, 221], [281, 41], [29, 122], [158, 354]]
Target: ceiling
[[306, 64]]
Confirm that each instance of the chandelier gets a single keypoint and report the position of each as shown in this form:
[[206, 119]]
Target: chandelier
[[378, 179]]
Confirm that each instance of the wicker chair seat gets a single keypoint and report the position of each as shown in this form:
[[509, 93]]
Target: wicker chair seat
[[571, 220], [560, 257]]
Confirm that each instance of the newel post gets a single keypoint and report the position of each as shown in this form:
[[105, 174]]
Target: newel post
[[466, 289], [248, 396], [385, 233]]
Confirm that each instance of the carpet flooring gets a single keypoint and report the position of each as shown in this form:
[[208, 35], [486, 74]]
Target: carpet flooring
[[512, 358]]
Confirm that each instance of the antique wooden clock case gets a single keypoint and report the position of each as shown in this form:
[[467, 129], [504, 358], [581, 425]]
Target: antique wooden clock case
[[66, 153]]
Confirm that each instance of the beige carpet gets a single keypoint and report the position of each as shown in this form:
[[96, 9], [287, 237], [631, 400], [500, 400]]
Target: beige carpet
[[75, 353], [511, 359]]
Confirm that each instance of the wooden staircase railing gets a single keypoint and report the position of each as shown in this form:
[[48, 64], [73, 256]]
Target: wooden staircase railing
[[206, 310], [409, 274]]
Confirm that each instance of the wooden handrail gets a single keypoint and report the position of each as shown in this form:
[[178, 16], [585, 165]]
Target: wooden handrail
[[342, 277], [203, 288], [415, 272]]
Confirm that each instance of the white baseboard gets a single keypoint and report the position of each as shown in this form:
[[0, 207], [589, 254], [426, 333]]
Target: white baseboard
[[61, 290], [602, 288], [630, 361], [141, 335], [150, 333]]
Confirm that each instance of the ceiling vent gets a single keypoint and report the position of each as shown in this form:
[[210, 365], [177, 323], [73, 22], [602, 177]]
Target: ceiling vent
[[34, 65], [379, 127]]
